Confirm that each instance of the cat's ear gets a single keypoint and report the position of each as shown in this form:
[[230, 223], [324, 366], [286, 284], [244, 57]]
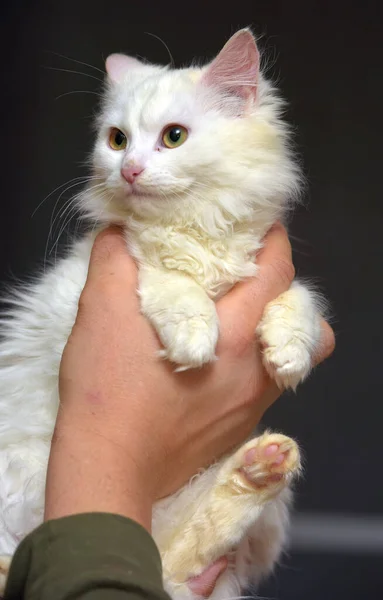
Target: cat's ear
[[236, 68], [118, 65]]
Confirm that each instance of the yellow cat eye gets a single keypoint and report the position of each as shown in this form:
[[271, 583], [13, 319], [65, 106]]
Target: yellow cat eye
[[174, 136], [117, 139]]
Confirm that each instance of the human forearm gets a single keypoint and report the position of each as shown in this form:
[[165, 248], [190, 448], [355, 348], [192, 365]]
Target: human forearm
[[103, 473]]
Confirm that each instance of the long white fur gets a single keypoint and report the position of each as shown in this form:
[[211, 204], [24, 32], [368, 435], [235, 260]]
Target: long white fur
[[193, 222]]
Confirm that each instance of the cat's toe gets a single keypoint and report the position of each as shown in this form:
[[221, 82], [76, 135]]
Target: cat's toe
[[287, 365], [286, 352]]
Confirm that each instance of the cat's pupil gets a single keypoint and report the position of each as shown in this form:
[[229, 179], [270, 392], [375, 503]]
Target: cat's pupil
[[175, 134], [119, 138]]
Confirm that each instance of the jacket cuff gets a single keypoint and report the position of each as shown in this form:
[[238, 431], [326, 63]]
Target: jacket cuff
[[95, 555]]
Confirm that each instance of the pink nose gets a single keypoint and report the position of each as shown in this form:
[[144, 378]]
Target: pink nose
[[131, 172]]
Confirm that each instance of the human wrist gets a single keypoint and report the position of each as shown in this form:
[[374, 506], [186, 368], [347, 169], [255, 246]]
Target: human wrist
[[91, 472]]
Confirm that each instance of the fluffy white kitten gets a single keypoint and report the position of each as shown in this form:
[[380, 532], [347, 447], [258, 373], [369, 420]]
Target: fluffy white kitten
[[195, 164]]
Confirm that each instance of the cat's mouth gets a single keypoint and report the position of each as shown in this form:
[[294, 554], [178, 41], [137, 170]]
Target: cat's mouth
[[140, 188], [139, 193], [136, 190]]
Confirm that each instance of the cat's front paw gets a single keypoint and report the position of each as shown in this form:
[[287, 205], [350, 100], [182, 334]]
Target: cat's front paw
[[287, 347], [287, 365], [190, 336], [183, 315]]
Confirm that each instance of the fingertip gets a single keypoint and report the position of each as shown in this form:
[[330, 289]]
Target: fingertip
[[328, 339], [109, 248], [277, 226], [327, 343], [108, 239]]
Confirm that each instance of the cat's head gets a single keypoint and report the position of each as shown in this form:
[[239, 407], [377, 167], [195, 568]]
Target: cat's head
[[176, 143]]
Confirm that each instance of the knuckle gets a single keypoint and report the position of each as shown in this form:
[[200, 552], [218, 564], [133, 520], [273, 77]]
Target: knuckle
[[285, 269]]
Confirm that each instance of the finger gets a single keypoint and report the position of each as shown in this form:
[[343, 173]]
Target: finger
[[243, 306], [110, 256], [276, 239], [326, 345]]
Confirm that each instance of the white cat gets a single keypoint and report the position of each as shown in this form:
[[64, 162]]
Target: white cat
[[195, 164]]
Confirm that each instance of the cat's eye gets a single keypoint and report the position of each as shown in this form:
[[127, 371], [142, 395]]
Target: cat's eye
[[174, 136], [117, 139]]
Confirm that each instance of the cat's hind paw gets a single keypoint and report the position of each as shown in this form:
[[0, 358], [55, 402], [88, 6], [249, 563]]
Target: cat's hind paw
[[266, 464]]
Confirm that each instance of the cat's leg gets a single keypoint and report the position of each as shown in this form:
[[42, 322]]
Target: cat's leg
[[219, 517], [5, 563], [264, 542], [258, 552], [183, 315], [289, 333]]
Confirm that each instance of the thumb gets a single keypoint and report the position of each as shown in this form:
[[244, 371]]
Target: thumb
[[110, 257]]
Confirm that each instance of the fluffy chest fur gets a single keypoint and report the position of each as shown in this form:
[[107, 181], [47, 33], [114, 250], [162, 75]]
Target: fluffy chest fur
[[215, 263]]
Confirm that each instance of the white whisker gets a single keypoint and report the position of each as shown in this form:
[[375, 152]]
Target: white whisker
[[71, 213], [79, 179], [164, 44], [78, 92], [69, 209], [56, 203], [75, 72], [80, 62], [241, 82]]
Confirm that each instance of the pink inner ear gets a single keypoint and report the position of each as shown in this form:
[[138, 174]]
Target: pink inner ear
[[118, 65], [236, 68]]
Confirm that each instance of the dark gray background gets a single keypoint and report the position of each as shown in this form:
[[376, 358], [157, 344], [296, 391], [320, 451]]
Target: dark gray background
[[327, 57]]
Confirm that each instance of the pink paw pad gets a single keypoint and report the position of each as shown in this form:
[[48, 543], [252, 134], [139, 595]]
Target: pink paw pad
[[270, 463], [270, 454]]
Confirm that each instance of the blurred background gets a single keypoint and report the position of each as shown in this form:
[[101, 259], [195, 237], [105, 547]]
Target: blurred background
[[327, 58]]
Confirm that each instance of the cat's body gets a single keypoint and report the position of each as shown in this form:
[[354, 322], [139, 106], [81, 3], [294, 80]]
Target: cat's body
[[194, 213]]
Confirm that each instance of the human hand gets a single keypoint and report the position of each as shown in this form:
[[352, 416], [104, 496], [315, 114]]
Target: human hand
[[130, 430]]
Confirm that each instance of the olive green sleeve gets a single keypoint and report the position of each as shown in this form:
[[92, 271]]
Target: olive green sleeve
[[95, 556]]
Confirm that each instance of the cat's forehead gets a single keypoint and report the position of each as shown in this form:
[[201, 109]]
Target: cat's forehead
[[152, 100]]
